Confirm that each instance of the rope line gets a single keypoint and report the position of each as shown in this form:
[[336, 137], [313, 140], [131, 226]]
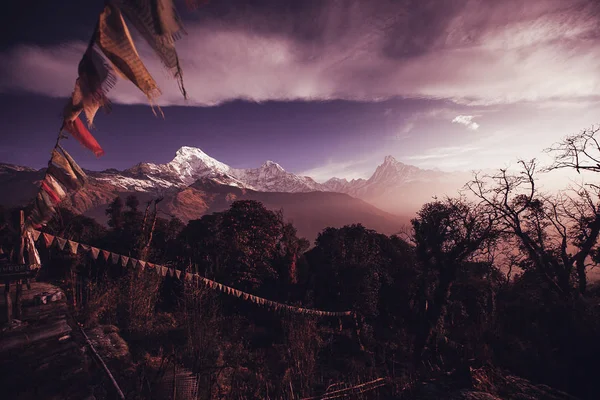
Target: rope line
[[196, 278]]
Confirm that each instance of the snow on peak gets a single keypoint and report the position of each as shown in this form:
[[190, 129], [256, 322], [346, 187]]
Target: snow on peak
[[272, 164], [336, 180], [191, 163]]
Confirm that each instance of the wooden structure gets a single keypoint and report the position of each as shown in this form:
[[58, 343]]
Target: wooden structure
[[14, 269], [41, 356]]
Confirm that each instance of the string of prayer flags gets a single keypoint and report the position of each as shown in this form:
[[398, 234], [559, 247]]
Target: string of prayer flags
[[63, 174], [161, 270]]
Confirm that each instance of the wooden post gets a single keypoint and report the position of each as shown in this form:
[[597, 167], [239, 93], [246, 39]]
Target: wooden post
[[19, 300], [8, 302], [20, 261]]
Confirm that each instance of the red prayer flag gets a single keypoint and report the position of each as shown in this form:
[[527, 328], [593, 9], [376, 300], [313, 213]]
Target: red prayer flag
[[55, 198], [78, 130]]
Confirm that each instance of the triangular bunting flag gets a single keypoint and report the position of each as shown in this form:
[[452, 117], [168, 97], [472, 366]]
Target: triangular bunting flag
[[163, 270], [85, 247], [73, 246], [95, 252], [142, 264], [124, 261], [171, 271], [150, 265], [188, 276], [105, 254], [48, 239], [238, 293], [61, 243], [114, 257], [35, 234], [178, 274], [245, 296]]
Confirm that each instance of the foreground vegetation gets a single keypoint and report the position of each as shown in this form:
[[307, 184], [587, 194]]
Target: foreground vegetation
[[492, 281]]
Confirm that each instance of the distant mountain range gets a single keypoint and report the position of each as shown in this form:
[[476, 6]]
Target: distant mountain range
[[194, 184]]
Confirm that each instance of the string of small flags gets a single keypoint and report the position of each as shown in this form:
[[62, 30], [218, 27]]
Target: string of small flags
[[119, 259]]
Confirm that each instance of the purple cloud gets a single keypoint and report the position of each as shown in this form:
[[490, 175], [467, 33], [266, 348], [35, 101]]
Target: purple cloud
[[475, 53]]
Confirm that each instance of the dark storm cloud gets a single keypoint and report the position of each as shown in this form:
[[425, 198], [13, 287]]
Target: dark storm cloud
[[469, 51]]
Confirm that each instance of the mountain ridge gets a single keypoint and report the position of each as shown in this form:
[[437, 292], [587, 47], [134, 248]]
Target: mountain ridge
[[394, 187]]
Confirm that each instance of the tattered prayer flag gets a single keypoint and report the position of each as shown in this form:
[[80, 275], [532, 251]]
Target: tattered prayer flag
[[48, 239], [55, 186], [33, 257], [114, 39], [53, 195], [115, 258], [35, 234], [124, 261], [73, 246], [159, 24], [78, 130], [95, 79], [61, 243], [95, 252], [60, 168], [81, 176]]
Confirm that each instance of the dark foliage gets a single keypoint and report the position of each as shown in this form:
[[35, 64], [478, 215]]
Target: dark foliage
[[433, 306]]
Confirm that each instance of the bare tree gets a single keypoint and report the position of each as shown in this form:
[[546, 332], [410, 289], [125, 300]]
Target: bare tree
[[579, 152], [556, 234]]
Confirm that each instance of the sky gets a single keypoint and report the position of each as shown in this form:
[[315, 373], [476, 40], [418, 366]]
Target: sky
[[323, 87]]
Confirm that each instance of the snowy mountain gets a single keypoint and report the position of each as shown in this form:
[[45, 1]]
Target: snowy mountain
[[400, 188], [394, 187], [191, 164], [271, 177]]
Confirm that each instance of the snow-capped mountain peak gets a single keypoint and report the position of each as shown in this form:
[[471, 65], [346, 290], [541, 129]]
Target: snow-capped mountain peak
[[390, 160], [191, 162], [272, 165]]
